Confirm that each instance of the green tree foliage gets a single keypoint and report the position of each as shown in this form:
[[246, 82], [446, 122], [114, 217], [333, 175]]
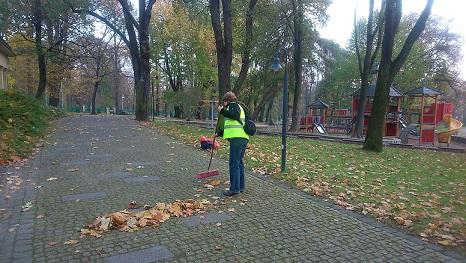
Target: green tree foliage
[[341, 77], [184, 51]]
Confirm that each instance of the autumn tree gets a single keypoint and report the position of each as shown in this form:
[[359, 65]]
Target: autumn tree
[[136, 39], [50, 26], [246, 48], [96, 64], [183, 51], [223, 33], [389, 67], [366, 63]]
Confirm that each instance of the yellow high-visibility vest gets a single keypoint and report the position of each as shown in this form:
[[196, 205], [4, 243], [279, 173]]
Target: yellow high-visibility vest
[[234, 129]]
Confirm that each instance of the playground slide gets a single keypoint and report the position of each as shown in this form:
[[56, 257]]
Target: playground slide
[[454, 126], [320, 128]]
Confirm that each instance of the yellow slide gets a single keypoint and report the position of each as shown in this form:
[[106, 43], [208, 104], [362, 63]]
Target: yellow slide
[[454, 125]]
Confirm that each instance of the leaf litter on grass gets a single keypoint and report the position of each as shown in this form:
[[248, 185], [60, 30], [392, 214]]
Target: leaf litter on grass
[[421, 191]]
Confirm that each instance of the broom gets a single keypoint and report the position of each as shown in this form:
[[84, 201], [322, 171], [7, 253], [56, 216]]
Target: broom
[[209, 173]]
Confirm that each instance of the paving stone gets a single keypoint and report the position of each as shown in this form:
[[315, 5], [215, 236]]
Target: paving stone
[[207, 218], [141, 179], [120, 174], [84, 196], [276, 222], [147, 255]]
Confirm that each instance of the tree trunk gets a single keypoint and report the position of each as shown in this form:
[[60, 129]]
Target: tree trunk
[[116, 70], [366, 66], [178, 112], [298, 18], [389, 68], [157, 88], [266, 97], [40, 54], [142, 100], [54, 85], [94, 95], [375, 130], [223, 43], [268, 118], [246, 48]]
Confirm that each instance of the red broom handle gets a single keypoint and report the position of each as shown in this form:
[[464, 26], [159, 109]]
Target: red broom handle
[[212, 153]]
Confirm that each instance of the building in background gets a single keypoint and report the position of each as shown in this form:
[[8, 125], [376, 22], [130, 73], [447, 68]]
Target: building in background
[[5, 53]]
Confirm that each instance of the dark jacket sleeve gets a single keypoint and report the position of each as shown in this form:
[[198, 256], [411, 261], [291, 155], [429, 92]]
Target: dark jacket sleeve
[[232, 111]]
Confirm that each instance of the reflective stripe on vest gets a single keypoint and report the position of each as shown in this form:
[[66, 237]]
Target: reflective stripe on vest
[[234, 129]]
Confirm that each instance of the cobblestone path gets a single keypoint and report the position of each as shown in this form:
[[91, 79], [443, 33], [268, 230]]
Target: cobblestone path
[[90, 155]]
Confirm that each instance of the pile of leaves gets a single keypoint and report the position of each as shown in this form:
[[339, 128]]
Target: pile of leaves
[[22, 121], [422, 192], [151, 216]]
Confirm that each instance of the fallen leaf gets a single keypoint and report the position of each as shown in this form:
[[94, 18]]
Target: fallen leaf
[[26, 207], [71, 242], [104, 224], [444, 242], [133, 205], [132, 222], [118, 218], [214, 182]]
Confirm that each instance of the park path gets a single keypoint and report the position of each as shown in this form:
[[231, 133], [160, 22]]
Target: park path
[[93, 165]]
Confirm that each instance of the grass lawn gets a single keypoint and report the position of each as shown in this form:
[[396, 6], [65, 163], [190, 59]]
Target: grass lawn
[[421, 191]]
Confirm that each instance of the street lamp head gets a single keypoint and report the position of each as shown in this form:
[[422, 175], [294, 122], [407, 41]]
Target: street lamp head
[[276, 67]]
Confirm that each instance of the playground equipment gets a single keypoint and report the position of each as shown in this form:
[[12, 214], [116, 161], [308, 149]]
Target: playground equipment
[[453, 127], [338, 121], [393, 119], [321, 118], [425, 112], [316, 117], [429, 117], [426, 118]]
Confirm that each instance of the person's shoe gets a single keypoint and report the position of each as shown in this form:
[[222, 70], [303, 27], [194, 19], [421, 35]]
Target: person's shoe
[[241, 191], [229, 193]]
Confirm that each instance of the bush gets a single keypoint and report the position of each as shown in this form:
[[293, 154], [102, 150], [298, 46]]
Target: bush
[[22, 120]]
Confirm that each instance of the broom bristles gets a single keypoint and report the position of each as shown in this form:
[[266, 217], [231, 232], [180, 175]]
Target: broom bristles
[[207, 174]]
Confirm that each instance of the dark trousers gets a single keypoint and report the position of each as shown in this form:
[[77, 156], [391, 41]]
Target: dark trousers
[[237, 149]]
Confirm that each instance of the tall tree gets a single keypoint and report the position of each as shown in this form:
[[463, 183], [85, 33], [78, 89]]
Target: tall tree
[[96, 64], [223, 42], [183, 51], [365, 65], [389, 67], [37, 21], [245, 61], [138, 45], [298, 20]]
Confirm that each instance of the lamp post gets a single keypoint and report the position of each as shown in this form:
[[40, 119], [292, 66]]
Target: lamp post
[[122, 100], [276, 67]]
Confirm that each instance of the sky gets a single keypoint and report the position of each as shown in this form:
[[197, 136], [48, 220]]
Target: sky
[[341, 16]]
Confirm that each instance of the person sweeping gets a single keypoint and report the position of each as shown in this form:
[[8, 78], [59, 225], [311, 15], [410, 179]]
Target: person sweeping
[[233, 130]]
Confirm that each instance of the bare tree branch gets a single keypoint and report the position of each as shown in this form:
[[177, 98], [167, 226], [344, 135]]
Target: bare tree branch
[[127, 11]]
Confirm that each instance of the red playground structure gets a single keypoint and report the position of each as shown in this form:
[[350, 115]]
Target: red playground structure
[[392, 119], [426, 119], [426, 113]]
